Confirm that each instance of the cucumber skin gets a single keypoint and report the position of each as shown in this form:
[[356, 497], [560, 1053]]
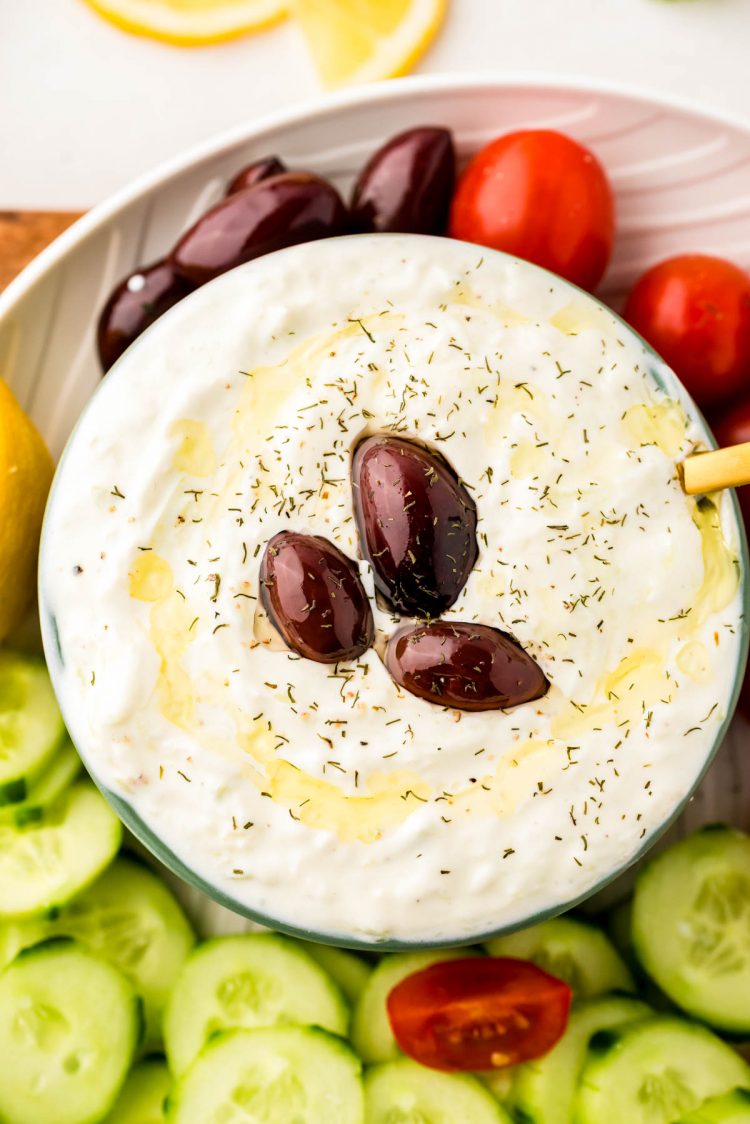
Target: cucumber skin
[[62, 772], [370, 1032], [173, 1103], [731, 1108], [412, 1078], [541, 1095], [607, 1045], [145, 1091], [50, 948], [38, 697], [702, 844], [15, 938], [65, 893], [597, 969], [173, 1028], [348, 971]]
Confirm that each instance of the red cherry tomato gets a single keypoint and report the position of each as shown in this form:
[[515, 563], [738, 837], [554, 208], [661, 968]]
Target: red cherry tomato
[[695, 311], [541, 196], [477, 1014]]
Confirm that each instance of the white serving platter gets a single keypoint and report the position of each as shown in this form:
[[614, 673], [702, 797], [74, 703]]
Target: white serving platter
[[682, 182]]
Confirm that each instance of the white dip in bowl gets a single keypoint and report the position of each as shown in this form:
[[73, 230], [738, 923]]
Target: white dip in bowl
[[322, 797]]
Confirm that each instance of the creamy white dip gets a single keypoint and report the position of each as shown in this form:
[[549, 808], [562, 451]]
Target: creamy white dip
[[323, 797]]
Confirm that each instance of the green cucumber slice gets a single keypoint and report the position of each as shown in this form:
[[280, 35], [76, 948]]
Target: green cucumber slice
[[574, 951], [31, 726], [371, 1034], [130, 917], [46, 862], [731, 1108], [286, 1075], [143, 1097], [619, 927], [654, 1072], [69, 1027], [500, 1083], [691, 925], [255, 980], [403, 1092], [544, 1090], [347, 970], [56, 778]]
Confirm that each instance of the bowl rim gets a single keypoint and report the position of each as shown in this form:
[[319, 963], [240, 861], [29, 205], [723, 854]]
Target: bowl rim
[[667, 381], [329, 105]]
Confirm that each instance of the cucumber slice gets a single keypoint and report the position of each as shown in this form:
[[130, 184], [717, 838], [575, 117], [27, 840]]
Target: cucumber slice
[[731, 1108], [619, 928], [572, 950], [142, 1100], [69, 1027], [347, 970], [654, 1072], [691, 925], [404, 1092], [544, 1090], [31, 726], [255, 980], [129, 917], [286, 1075], [45, 863], [56, 778], [371, 1034], [500, 1083]]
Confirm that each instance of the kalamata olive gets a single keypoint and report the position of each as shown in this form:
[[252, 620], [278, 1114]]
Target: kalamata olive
[[464, 666], [259, 170], [136, 302], [407, 185], [314, 597], [417, 524], [280, 211]]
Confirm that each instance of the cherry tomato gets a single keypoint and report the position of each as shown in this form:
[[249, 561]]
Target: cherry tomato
[[478, 1014], [541, 196], [695, 311]]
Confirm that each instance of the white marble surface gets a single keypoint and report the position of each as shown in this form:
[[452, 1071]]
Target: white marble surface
[[84, 108]]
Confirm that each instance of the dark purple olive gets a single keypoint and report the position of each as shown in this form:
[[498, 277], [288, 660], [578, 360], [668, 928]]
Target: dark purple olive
[[254, 173], [281, 211], [407, 185], [314, 597], [417, 524], [464, 666], [136, 302]]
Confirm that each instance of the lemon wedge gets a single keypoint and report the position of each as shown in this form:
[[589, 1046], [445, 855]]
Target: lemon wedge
[[25, 475], [191, 22], [363, 40]]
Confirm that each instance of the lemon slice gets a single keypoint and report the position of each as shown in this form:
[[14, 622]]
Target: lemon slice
[[25, 475], [191, 22], [364, 40]]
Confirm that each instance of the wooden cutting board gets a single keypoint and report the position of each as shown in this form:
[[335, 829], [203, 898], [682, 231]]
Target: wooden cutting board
[[23, 234]]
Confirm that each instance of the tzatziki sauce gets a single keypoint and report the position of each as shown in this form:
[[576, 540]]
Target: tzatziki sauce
[[323, 797]]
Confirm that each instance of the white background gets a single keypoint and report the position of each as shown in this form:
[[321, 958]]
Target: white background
[[84, 107]]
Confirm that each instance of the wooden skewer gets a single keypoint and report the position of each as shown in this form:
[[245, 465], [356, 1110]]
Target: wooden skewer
[[721, 468]]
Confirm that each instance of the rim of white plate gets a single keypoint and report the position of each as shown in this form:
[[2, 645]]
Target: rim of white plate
[[324, 105]]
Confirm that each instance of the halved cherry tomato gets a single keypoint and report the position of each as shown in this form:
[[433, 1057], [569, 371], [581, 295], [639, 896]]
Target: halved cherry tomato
[[478, 1014], [695, 311], [541, 196]]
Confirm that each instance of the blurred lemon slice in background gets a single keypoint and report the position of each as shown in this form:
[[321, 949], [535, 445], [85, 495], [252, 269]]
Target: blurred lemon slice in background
[[25, 475], [364, 40], [350, 40], [191, 22]]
